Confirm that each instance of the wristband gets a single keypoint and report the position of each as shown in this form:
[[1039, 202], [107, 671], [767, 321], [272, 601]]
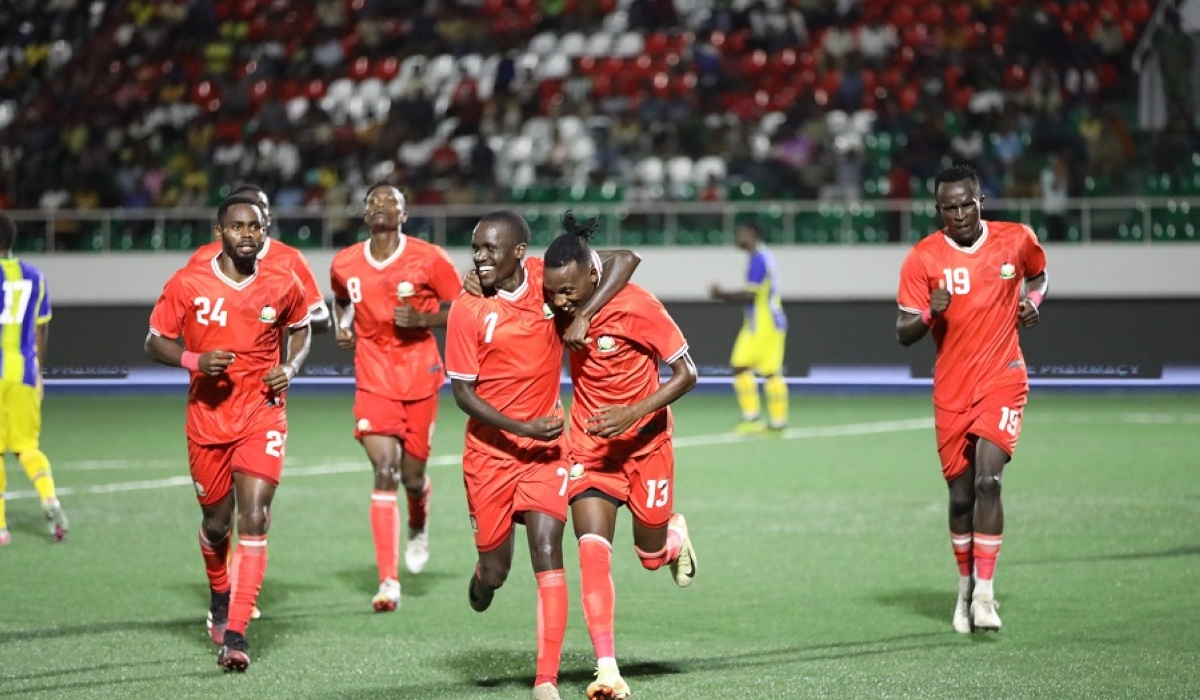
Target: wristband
[[927, 317], [1035, 298], [190, 361]]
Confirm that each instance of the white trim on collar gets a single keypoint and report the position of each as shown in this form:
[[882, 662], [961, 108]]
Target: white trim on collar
[[236, 285], [378, 264], [519, 291], [974, 246]]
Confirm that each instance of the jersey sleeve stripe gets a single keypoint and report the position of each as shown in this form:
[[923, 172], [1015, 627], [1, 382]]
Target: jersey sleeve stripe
[[302, 322], [157, 332], [909, 309], [462, 377], [677, 354]]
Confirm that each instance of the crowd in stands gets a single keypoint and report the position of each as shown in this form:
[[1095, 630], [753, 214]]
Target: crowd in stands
[[161, 103]]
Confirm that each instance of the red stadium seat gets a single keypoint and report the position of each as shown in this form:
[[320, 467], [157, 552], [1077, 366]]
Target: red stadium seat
[[315, 89], [753, 64], [1139, 11], [657, 43], [360, 68], [386, 69], [961, 13], [903, 16]]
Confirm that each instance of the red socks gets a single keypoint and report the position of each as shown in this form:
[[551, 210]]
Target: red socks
[[551, 624], [987, 549], [215, 557], [418, 508], [962, 552], [385, 526], [599, 593], [249, 567], [666, 555]]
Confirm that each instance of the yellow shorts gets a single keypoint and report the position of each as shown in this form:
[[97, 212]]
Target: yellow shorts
[[20, 417], [761, 351]]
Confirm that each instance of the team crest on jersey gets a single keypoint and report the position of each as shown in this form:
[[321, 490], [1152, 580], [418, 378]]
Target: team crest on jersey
[[405, 289], [606, 343], [199, 489], [576, 471], [268, 314], [1008, 271], [363, 425], [547, 311]]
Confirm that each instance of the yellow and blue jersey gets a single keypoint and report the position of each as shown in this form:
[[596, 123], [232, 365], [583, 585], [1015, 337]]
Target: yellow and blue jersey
[[26, 306], [765, 311]]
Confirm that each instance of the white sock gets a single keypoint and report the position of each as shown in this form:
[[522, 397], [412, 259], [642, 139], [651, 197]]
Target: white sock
[[983, 588]]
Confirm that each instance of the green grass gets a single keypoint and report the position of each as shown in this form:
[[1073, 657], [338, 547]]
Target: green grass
[[825, 568]]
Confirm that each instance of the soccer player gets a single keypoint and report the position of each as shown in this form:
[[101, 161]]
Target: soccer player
[[276, 252], [232, 316], [760, 343], [504, 358], [965, 284], [389, 292], [24, 333], [619, 437]]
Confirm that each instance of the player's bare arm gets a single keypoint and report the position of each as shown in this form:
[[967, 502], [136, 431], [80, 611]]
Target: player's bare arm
[[41, 341], [168, 352], [343, 321], [912, 327], [619, 266], [279, 378], [735, 296], [406, 316], [545, 428], [611, 421], [1035, 288]]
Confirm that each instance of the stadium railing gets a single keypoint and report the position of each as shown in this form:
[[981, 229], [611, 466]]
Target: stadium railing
[[1145, 220]]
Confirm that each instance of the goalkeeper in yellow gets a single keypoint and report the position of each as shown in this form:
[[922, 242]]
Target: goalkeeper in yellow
[[758, 350], [24, 323]]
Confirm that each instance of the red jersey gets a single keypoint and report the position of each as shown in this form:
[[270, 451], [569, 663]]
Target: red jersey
[[249, 319], [401, 364], [977, 341], [620, 367], [276, 253], [508, 345]]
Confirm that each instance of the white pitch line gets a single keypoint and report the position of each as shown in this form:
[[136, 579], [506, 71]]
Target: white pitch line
[[846, 430]]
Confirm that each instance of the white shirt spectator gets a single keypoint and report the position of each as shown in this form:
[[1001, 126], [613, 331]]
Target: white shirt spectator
[[876, 41]]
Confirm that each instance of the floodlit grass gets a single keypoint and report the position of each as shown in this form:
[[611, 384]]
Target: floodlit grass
[[825, 570]]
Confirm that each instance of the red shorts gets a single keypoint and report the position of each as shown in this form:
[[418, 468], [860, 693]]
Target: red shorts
[[411, 422], [501, 490], [995, 418], [645, 483], [259, 455]]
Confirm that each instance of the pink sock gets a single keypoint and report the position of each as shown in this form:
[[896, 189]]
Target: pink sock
[[599, 593]]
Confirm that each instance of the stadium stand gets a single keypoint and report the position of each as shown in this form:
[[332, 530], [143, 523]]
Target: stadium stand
[[143, 104]]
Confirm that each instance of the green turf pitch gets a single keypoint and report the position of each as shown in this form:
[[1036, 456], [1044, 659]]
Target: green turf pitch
[[825, 570]]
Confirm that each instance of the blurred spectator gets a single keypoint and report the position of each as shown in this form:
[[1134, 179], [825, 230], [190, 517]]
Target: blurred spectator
[[1179, 137], [1054, 187], [167, 100], [1175, 60], [1108, 37], [899, 191]]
